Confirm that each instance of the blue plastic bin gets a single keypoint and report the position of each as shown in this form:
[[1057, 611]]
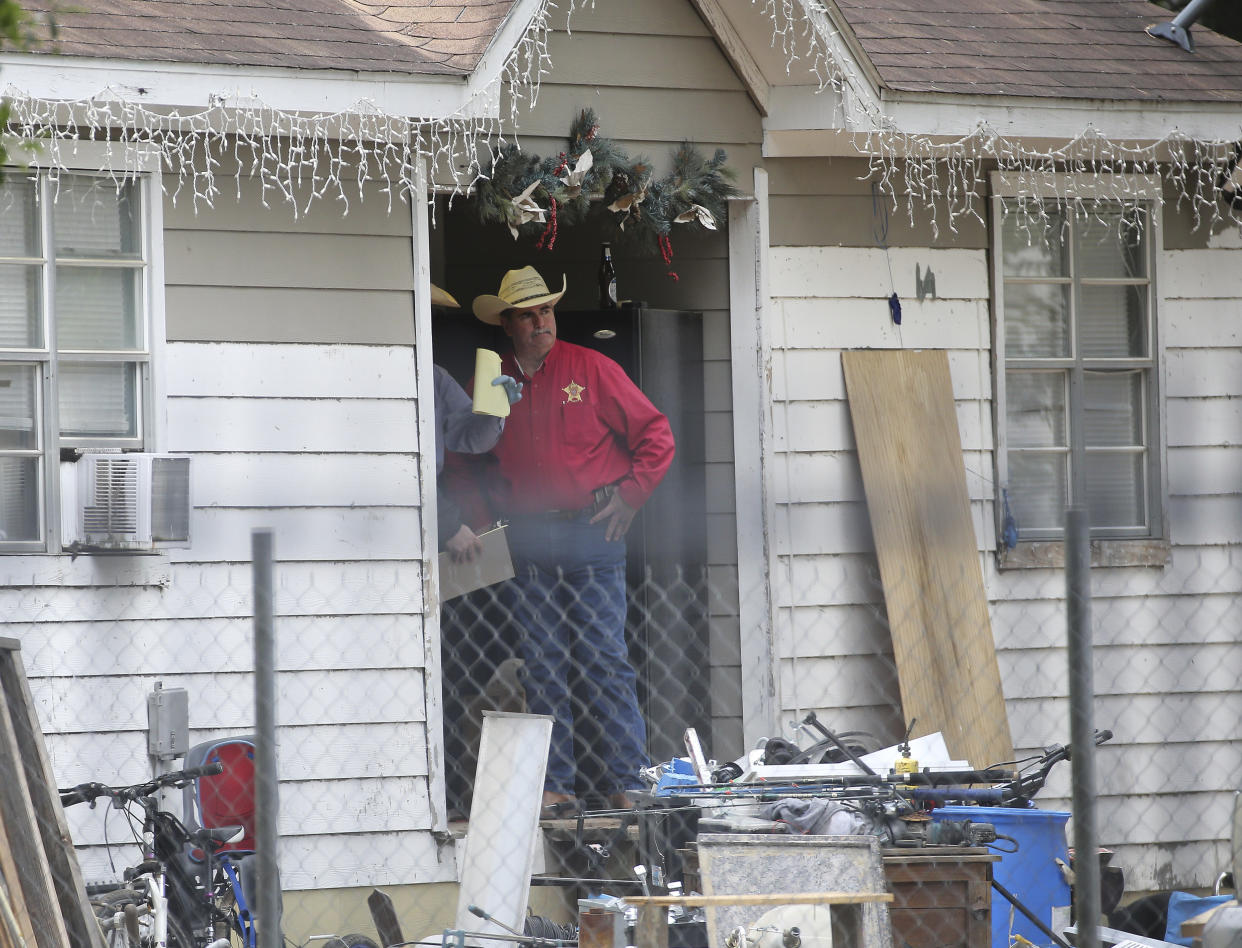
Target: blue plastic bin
[[1031, 874]]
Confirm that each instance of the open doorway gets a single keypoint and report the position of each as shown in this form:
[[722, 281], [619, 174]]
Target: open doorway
[[665, 342]]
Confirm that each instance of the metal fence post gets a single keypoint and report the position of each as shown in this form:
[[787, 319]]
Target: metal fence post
[[266, 800], [1082, 725]]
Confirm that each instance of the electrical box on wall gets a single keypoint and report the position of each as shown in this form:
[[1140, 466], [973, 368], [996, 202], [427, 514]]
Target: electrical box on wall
[[168, 722]]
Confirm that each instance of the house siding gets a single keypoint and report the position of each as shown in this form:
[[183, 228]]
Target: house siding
[[306, 422], [289, 378], [1165, 662]]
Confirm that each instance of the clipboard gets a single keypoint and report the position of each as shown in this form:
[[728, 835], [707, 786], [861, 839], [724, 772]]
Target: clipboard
[[494, 565]]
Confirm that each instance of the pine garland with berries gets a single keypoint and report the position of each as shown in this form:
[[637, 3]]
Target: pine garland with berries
[[595, 178]]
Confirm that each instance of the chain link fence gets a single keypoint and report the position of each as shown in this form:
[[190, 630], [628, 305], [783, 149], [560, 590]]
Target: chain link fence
[[385, 801]]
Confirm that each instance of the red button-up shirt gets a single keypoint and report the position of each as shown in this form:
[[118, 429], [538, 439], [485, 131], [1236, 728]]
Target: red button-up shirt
[[580, 424]]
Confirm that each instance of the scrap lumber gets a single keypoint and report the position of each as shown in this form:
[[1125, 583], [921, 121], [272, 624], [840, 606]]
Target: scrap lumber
[[910, 450], [48, 888]]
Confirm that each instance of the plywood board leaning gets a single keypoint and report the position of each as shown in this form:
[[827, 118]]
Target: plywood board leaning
[[34, 820], [905, 426]]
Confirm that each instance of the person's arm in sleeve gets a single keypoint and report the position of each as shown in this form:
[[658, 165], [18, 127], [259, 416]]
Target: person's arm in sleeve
[[456, 538], [463, 430], [649, 439]]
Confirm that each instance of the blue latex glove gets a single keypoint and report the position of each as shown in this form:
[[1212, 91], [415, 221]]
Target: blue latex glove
[[513, 388]]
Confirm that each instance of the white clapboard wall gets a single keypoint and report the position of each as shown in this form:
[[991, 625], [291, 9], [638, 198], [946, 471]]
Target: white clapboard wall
[[1166, 658], [289, 376]]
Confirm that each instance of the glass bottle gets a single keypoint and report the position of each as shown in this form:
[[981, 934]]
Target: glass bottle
[[607, 278]]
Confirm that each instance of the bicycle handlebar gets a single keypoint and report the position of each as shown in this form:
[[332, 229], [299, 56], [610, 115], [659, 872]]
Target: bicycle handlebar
[[1030, 783], [90, 792]]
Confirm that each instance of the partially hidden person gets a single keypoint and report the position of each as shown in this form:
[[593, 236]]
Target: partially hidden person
[[460, 430]]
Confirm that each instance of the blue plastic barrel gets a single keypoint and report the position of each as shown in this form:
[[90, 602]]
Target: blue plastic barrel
[[1031, 874]]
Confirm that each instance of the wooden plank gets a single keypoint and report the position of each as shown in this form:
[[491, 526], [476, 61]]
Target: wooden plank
[[825, 426], [330, 261], [765, 898], [1199, 471], [305, 533], [637, 17], [1196, 422], [814, 374], [288, 314], [384, 915], [1201, 274], [208, 590], [281, 370], [311, 808], [853, 323], [273, 479], [292, 424], [16, 925], [901, 404], [669, 63], [221, 645], [1199, 324], [863, 272], [239, 207], [34, 819], [1193, 620], [1202, 373], [651, 931], [372, 696], [307, 752]]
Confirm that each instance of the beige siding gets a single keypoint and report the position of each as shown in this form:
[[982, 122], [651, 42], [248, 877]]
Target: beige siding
[[1165, 658], [289, 377]]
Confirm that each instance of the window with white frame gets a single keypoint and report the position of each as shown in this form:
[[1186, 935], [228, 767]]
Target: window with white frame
[[1078, 400], [75, 350]]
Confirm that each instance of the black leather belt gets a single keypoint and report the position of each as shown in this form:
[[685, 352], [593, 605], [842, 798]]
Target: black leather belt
[[599, 499]]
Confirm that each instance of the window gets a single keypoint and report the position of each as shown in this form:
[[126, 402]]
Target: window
[[76, 285], [1077, 394]]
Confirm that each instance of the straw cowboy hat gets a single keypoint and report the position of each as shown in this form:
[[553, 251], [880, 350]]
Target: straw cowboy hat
[[441, 297], [520, 289]]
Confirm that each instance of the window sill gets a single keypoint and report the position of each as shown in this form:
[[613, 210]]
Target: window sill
[[1050, 554], [85, 569]]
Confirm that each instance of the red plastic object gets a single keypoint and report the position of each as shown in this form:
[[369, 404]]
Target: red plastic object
[[227, 798]]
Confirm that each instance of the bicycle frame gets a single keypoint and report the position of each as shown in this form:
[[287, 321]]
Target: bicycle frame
[[174, 888]]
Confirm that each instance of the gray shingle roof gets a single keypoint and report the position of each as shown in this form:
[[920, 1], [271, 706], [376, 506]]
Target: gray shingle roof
[[1088, 49], [435, 37]]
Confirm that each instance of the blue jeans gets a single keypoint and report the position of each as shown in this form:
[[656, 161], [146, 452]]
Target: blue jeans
[[568, 601]]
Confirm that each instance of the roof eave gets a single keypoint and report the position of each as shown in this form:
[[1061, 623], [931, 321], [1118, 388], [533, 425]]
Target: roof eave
[[167, 86], [945, 118]]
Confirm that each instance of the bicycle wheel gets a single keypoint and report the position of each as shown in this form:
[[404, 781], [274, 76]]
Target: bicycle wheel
[[178, 935], [108, 907], [351, 941]]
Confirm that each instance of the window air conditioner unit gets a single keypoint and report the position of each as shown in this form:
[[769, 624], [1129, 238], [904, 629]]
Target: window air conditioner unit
[[126, 502]]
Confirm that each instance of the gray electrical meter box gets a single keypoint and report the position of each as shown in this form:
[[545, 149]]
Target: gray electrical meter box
[[168, 722]]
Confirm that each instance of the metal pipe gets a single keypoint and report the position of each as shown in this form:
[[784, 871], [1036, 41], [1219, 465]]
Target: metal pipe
[[266, 796], [1082, 726], [1177, 30], [1034, 919]]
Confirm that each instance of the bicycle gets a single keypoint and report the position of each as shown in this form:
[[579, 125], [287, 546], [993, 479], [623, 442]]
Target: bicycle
[[167, 900]]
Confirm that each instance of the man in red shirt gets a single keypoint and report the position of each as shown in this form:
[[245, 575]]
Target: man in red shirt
[[581, 452]]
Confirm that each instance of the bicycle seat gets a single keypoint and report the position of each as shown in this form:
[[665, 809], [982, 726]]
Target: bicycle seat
[[217, 835], [223, 800]]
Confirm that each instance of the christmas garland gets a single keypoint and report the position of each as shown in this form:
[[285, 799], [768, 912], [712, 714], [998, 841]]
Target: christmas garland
[[595, 178]]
